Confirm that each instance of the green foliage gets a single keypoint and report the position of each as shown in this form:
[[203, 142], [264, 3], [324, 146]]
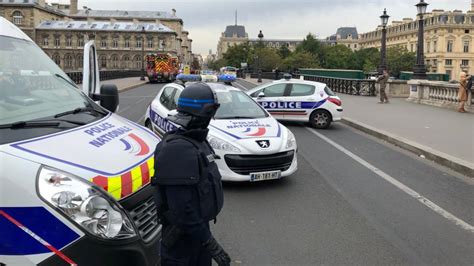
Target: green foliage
[[237, 54], [400, 59], [300, 59], [311, 45], [365, 59], [268, 58], [337, 57], [217, 64], [284, 52]]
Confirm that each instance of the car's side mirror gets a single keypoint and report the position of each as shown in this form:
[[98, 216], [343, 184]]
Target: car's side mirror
[[108, 97], [172, 112], [261, 95]]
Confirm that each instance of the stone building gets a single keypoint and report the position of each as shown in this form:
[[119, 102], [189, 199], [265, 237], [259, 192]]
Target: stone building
[[448, 40], [346, 36], [61, 30], [236, 34]]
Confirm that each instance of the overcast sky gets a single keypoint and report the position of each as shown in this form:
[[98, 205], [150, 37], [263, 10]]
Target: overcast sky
[[292, 19]]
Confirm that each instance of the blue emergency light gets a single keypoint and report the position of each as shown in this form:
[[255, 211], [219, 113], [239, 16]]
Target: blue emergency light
[[188, 77], [226, 78]]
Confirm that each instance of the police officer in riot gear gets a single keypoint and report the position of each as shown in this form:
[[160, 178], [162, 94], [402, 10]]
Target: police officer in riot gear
[[189, 190]]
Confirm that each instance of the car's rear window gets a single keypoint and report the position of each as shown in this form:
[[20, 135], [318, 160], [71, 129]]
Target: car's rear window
[[328, 91], [301, 90]]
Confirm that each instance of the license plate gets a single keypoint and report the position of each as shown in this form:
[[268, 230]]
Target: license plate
[[265, 176]]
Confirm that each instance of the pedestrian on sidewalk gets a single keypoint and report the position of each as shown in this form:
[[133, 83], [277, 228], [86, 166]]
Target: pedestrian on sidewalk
[[382, 80], [462, 92]]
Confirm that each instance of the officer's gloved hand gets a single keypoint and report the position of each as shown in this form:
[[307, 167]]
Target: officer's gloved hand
[[217, 252]]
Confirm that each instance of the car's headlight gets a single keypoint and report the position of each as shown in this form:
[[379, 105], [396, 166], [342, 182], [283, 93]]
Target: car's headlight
[[85, 204], [219, 144], [290, 141]]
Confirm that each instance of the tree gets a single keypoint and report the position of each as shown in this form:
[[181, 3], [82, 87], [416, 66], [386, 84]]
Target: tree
[[400, 59], [366, 59], [217, 64], [237, 54], [268, 58], [300, 59], [284, 52], [337, 57]]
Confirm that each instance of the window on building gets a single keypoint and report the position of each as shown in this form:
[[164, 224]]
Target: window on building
[[115, 43], [115, 61], [69, 42], [103, 43], [150, 43], [411, 47], [465, 62], [450, 30], [139, 43], [79, 61], [57, 59], [435, 46], [466, 47], [68, 62], [125, 62], [450, 46], [103, 61], [449, 72], [80, 42], [57, 42], [17, 18], [45, 41], [448, 62], [127, 44], [466, 31], [435, 62], [428, 47], [138, 62]]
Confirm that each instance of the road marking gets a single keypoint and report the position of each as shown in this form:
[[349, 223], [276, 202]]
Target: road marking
[[140, 121], [464, 225], [240, 86]]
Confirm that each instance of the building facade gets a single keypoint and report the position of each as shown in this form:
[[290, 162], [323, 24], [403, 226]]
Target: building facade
[[236, 34], [347, 36], [448, 40], [62, 30]]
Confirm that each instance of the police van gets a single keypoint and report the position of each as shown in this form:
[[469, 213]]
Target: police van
[[74, 175], [251, 144]]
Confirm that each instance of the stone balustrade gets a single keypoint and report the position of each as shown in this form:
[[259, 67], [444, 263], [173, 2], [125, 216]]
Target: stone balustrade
[[442, 94]]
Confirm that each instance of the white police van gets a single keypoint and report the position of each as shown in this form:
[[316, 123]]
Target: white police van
[[299, 100], [251, 144], [74, 175]]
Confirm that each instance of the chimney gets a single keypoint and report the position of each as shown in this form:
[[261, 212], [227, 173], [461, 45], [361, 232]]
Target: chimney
[[73, 7]]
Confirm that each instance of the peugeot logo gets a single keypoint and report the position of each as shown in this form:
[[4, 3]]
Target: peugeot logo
[[263, 143]]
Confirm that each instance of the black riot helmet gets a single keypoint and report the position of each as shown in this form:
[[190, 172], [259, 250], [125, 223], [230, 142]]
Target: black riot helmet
[[197, 104]]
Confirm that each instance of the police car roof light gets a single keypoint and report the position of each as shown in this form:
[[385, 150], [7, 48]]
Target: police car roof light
[[226, 78], [188, 77]]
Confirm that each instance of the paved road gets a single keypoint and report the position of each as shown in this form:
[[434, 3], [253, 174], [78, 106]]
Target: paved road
[[353, 201]]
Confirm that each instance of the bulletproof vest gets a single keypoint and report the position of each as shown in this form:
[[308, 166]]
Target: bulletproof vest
[[175, 165]]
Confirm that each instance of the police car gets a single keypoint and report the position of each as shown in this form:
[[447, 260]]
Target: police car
[[251, 144], [299, 100], [74, 175]]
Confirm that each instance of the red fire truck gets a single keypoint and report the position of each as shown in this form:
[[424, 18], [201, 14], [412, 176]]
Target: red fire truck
[[161, 67]]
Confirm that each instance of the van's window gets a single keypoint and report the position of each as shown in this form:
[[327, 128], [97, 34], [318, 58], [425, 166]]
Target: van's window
[[166, 97], [328, 91], [30, 86], [276, 90], [301, 90]]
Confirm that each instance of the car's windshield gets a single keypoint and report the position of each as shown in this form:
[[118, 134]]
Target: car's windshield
[[32, 86], [236, 104]]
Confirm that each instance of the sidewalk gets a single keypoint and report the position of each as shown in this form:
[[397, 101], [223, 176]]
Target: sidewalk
[[123, 84], [438, 134]]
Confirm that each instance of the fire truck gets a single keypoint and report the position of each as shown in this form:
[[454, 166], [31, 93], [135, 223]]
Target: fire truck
[[161, 67]]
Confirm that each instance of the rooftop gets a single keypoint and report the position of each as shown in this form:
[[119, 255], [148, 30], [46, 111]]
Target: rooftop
[[103, 26], [238, 30], [34, 3], [125, 14], [344, 32]]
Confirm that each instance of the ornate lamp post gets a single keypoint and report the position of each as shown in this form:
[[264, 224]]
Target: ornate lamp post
[[260, 37], [419, 71], [142, 77], [383, 49]]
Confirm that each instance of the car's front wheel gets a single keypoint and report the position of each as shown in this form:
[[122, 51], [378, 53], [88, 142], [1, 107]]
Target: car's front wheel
[[149, 125], [320, 119]]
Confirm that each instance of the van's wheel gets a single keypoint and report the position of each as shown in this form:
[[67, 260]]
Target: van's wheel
[[148, 125], [320, 119]]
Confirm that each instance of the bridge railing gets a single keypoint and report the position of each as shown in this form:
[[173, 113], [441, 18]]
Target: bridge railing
[[76, 76], [363, 87]]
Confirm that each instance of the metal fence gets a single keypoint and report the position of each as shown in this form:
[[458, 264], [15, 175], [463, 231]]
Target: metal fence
[[364, 87], [76, 76]]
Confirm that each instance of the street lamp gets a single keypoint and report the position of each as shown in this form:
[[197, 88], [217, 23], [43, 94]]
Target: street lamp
[[419, 71], [142, 77], [383, 50], [260, 37]]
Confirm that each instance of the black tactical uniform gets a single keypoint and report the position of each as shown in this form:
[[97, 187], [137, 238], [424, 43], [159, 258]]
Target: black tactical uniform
[[189, 190]]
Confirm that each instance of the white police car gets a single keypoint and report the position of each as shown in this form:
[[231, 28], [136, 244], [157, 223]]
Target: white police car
[[251, 144], [73, 175], [299, 100]]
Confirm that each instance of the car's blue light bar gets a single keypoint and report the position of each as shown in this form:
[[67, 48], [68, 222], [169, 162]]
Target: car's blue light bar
[[188, 77], [226, 78]]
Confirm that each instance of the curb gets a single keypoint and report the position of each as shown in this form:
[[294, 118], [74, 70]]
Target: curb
[[441, 158], [132, 86]]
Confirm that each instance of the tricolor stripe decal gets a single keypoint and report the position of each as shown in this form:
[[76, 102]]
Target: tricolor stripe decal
[[123, 185]]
